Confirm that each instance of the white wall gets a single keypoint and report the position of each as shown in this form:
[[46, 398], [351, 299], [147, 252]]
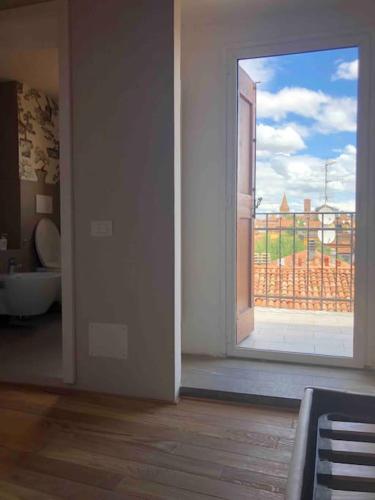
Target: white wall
[[208, 30], [122, 66]]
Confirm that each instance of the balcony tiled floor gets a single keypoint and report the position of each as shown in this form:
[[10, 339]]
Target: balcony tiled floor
[[307, 332]]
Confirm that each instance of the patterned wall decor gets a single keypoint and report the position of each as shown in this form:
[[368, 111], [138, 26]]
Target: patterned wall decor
[[37, 135]]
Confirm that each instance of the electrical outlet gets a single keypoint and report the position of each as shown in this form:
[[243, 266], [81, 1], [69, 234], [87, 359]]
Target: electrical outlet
[[101, 228]]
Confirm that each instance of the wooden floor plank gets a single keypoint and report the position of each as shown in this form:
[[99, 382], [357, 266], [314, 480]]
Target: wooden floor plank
[[149, 489], [71, 470], [166, 415], [9, 491], [133, 409], [21, 431], [256, 480], [266, 415], [171, 478], [256, 461], [60, 487], [162, 429], [101, 447]]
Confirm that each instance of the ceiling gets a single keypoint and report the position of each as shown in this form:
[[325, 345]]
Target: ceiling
[[37, 68], [11, 4], [220, 11]]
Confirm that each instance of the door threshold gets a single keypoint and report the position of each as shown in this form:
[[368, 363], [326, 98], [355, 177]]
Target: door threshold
[[240, 397], [266, 382]]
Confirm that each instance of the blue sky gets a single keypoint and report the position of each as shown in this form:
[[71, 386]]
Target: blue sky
[[306, 115]]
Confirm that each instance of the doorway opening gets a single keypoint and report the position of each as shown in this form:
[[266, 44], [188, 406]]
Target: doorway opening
[[296, 204], [30, 281], [36, 292]]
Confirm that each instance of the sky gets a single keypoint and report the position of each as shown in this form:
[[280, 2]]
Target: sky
[[306, 115]]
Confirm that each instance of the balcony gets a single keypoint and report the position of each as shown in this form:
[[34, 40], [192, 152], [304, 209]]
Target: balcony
[[305, 260], [304, 268]]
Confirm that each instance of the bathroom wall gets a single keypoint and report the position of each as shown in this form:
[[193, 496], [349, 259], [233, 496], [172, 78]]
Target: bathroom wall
[[38, 142], [38, 165]]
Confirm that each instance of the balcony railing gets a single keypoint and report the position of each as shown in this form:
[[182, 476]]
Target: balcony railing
[[305, 260]]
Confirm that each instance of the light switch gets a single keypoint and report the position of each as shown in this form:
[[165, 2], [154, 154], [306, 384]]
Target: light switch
[[108, 340], [101, 228], [44, 204]]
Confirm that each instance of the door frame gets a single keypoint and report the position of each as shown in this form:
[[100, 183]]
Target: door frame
[[66, 196], [365, 184]]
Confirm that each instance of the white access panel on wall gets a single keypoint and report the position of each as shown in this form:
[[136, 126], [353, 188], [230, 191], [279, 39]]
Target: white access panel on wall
[[108, 340], [44, 204]]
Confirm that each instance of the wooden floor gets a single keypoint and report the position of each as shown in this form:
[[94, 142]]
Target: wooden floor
[[85, 446]]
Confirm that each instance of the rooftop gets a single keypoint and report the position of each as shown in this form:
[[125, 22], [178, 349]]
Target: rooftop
[[305, 261], [327, 289]]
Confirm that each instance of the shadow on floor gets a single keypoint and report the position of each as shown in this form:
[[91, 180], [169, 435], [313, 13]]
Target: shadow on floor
[[31, 349]]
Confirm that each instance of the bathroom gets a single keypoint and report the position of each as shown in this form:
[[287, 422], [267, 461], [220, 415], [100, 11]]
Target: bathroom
[[30, 263]]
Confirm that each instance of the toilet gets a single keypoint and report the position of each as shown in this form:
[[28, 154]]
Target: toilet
[[48, 248], [47, 244]]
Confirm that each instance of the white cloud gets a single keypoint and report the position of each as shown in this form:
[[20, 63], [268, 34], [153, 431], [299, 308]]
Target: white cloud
[[287, 118], [259, 70], [330, 114], [278, 140], [303, 130], [338, 115], [346, 70], [342, 172], [350, 149], [346, 206], [302, 176], [298, 100]]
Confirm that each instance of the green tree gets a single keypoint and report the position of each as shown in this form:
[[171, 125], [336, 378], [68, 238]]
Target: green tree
[[281, 245]]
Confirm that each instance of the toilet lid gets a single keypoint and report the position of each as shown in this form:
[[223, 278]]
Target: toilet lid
[[47, 243]]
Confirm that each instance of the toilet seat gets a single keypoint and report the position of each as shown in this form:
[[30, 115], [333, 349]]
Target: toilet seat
[[47, 244]]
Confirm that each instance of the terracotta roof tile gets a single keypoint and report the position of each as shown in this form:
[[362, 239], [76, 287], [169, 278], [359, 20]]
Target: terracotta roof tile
[[283, 284]]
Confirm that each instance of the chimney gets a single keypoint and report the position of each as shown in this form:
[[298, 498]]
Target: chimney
[[307, 205]]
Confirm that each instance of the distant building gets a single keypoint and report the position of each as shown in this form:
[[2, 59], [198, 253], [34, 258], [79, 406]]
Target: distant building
[[326, 208], [284, 207], [307, 205]]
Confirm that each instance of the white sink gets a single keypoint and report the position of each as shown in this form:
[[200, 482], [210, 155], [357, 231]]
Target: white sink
[[28, 294]]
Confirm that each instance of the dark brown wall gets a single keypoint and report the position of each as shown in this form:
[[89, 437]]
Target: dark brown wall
[[18, 217], [10, 210], [26, 254]]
